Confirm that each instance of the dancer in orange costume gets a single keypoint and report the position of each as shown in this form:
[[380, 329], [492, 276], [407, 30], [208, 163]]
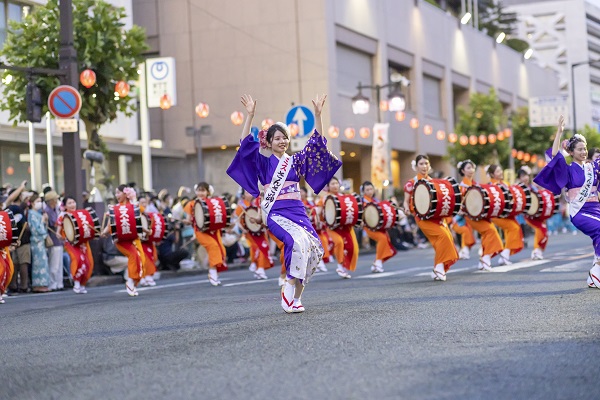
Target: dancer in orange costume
[[82, 261], [467, 237], [258, 241], [436, 230], [540, 238], [210, 240], [513, 234], [491, 244], [384, 250], [6, 271], [315, 212], [132, 249], [149, 251], [345, 245]]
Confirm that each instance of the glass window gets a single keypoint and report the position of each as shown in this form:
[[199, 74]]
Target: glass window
[[353, 66], [3, 24], [401, 75], [432, 96], [15, 12], [11, 11]]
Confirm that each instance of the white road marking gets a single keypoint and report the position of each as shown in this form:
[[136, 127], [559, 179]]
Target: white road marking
[[451, 270], [387, 274], [518, 265], [168, 285], [574, 266]]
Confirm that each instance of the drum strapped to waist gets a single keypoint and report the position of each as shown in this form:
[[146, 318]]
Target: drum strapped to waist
[[381, 215], [125, 222], [158, 226], [436, 198], [343, 210], [81, 226], [520, 199], [255, 228], [485, 202], [544, 204], [8, 229], [211, 214]]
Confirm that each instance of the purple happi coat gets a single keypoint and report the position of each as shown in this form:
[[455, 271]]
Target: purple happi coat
[[287, 219], [584, 209]]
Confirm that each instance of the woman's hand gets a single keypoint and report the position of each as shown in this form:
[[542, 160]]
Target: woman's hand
[[318, 103], [561, 125], [249, 104]]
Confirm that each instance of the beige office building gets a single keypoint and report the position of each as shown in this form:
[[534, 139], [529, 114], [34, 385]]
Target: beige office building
[[283, 52]]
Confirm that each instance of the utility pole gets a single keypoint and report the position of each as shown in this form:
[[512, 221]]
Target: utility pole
[[67, 62]]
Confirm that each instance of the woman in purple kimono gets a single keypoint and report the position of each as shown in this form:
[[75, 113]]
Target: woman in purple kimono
[[266, 161], [580, 179]]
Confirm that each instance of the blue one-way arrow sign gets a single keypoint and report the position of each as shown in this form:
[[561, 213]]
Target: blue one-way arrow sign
[[303, 117]]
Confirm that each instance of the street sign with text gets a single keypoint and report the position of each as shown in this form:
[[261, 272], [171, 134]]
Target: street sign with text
[[160, 80]]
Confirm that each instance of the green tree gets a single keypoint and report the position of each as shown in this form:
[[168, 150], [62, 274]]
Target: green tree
[[534, 141], [102, 44], [591, 136], [483, 116], [494, 20]]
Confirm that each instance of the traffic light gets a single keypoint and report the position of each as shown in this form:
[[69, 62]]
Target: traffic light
[[33, 97]]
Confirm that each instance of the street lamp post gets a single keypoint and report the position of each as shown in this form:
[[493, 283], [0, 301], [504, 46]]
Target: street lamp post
[[573, 66], [360, 103]]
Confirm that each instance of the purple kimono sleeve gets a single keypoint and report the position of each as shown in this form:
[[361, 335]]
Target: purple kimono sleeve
[[316, 163], [245, 166], [555, 175]]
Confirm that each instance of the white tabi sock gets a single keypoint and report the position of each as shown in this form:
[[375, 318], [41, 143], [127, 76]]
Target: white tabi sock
[[440, 268], [505, 254], [378, 263], [213, 274]]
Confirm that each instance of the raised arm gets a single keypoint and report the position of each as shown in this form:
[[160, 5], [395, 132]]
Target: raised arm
[[558, 137], [15, 195], [318, 104], [250, 106]]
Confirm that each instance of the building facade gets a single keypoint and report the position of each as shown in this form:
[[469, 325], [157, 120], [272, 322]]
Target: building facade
[[565, 37], [284, 52]]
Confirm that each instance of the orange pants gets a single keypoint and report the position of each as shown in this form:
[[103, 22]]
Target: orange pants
[[214, 247], [384, 250], [541, 233], [150, 259], [82, 262], [513, 235], [345, 246], [6, 269], [325, 242], [490, 240], [136, 259], [467, 238], [440, 237]]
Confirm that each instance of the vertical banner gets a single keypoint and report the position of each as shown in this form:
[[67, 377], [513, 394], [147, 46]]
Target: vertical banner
[[380, 156]]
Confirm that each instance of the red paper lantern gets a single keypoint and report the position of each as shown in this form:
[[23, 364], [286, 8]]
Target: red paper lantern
[[237, 118], [400, 116], [10, 170], [428, 129], [534, 158], [464, 140], [520, 155], [482, 139], [440, 135], [202, 110], [541, 163], [526, 157], [507, 132], [513, 153], [87, 78], [452, 137], [122, 89], [500, 136], [472, 140], [349, 133], [333, 131], [266, 123], [384, 105], [364, 132], [165, 102], [294, 129], [414, 123]]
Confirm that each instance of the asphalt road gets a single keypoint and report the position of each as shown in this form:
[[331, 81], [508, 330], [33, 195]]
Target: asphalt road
[[529, 331]]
